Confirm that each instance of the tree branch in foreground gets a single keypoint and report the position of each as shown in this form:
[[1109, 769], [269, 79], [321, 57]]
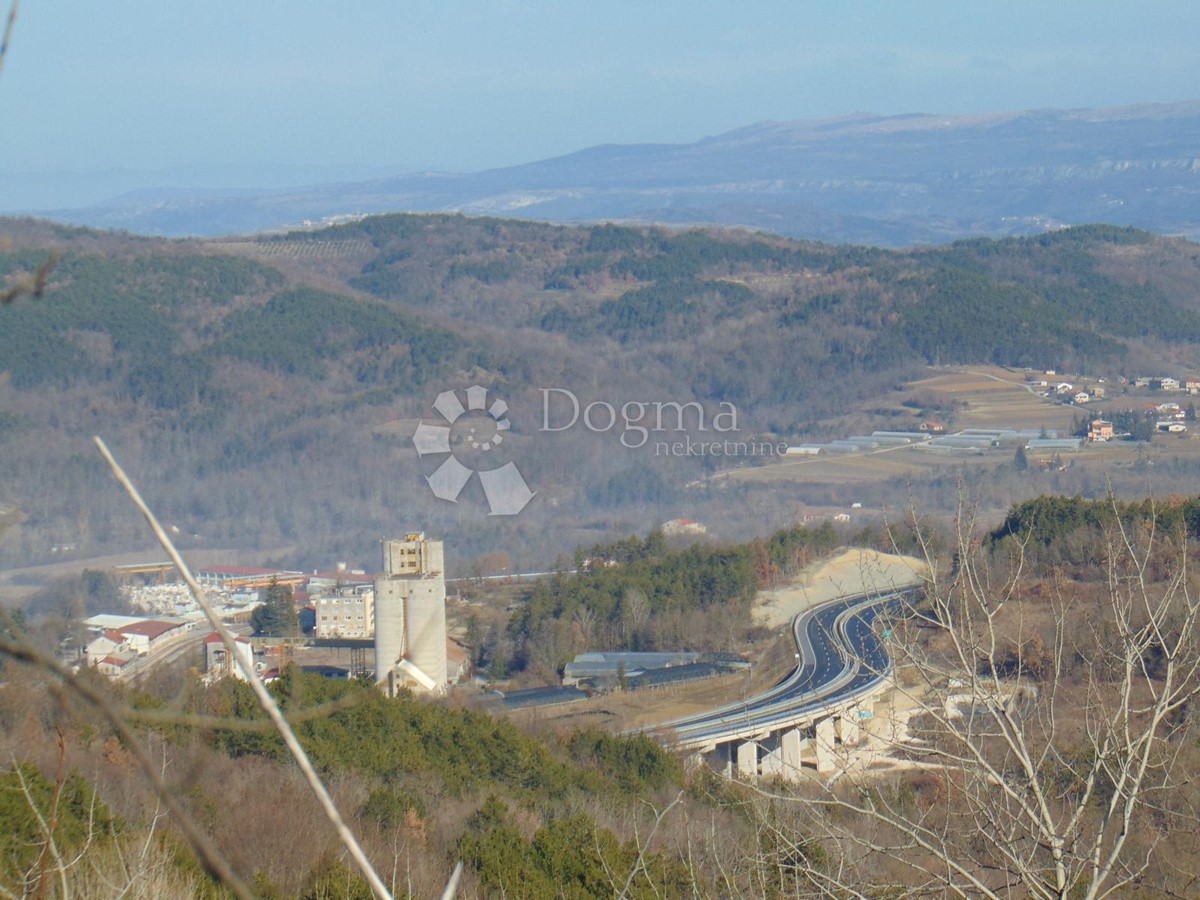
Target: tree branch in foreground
[[266, 701]]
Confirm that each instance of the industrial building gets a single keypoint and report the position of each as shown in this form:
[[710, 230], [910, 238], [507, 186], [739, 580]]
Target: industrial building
[[410, 616], [219, 663], [345, 612], [610, 670]]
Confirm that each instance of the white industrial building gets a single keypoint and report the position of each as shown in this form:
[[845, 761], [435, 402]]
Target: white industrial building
[[410, 616], [345, 612], [136, 636]]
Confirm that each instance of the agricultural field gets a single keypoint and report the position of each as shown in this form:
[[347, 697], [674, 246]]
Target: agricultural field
[[997, 398], [979, 397]]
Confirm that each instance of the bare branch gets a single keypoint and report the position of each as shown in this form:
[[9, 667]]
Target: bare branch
[[8, 30], [32, 285], [266, 701], [208, 854]]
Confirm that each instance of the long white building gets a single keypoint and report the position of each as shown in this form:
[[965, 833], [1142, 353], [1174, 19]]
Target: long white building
[[410, 616]]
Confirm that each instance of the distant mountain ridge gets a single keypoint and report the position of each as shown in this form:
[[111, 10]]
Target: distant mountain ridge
[[881, 180]]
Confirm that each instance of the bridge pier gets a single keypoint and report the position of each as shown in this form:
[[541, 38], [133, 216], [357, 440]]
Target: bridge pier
[[847, 727], [771, 764], [784, 758], [791, 746], [820, 746], [747, 760]]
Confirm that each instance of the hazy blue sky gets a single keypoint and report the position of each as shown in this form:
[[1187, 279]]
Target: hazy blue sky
[[470, 84]]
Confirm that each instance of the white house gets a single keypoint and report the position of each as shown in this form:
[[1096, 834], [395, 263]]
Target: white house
[[117, 663], [100, 647]]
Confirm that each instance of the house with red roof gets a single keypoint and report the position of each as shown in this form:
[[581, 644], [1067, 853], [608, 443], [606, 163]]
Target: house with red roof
[[117, 663], [136, 637]]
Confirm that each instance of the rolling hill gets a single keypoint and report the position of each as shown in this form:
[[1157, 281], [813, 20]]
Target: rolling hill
[[265, 391]]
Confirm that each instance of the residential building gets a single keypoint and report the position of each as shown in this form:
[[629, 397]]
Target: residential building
[[1101, 430], [345, 612], [117, 663]]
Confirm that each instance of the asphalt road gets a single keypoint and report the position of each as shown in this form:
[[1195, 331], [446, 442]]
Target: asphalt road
[[841, 656]]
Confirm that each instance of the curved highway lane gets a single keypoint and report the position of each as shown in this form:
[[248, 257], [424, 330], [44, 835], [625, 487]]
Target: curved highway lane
[[841, 657]]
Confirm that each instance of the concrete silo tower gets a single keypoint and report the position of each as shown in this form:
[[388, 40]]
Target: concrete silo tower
[[410, 615]]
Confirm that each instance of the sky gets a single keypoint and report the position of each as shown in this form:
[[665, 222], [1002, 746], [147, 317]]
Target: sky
[[243, 93]]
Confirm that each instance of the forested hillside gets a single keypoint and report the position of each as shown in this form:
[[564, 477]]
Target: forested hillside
[[265, 391]]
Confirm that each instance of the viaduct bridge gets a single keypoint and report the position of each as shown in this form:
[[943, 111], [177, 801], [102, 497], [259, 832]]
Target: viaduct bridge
[[843, 667]]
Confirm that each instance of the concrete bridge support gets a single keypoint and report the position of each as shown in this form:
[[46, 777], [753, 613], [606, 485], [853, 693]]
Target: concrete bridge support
[[847, 727], [729, 757], [786, 757], [771, 765], [821, 746], [747, 760], [787, 749]]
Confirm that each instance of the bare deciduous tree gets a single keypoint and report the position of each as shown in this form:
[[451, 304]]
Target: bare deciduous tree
[[1050, 743]]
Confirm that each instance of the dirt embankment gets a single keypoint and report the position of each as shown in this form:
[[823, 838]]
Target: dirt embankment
[[852, 572]]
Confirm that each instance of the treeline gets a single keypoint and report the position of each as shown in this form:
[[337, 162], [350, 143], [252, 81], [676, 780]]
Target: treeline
[[971, 317], [567, 857], [156, 326], [227, 382], [301, 330], [450, 752], [643, 594], [27, 799], [1074, 531], [1067, 260], [664, 310]]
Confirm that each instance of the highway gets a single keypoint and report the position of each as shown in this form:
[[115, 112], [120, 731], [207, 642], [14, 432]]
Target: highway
[[841, 657]]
